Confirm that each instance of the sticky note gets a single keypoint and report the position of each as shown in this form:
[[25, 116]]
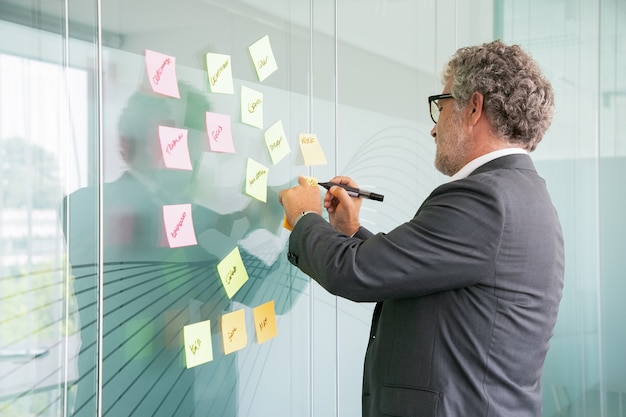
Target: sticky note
[[234, 334], [174, 148], [179, 225], [251, 107], [265, 322], [220, 73], [162, 73], [219, 132], [311, 149], [256, 180], [263, 58], [198, 345], [276, 142], [232, 272]]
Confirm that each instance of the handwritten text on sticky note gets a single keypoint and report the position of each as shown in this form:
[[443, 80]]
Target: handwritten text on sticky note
[[311, 149], [251, 107], [220, 73], [179, 225], [162, 73], [220, 133], [234, 334], [276, 142], [198, 345], [265, 322], [174, 147], [263, 58], [256, 180], [232, 272]]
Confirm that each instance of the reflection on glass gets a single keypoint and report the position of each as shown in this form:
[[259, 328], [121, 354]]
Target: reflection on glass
[[152, 290]]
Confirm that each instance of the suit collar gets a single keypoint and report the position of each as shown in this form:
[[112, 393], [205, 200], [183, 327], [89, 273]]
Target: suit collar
[[472, 165], [515, 161]]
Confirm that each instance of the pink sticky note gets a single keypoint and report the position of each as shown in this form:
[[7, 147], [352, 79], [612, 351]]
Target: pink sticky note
[[174, 147], [220, 134], [179, 225], [162, 73]]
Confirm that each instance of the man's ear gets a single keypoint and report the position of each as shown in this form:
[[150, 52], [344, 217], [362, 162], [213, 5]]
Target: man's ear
[[475, 107]]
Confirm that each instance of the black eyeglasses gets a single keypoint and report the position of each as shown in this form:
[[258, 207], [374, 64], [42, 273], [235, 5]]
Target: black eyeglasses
[[433, 103]]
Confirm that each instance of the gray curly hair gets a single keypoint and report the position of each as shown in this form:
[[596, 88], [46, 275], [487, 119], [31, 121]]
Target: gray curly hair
[[518, 99]]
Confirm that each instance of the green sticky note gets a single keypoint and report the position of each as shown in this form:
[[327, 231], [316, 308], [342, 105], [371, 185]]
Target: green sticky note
[[220, 73], [276, 142], [251, 107], [263, 58], [198, 346], [232, 272], [256, 180]]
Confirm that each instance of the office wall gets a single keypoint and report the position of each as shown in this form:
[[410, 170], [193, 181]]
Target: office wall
[[94, 299]]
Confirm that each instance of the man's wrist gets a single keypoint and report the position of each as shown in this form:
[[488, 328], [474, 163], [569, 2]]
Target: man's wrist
[[301, 215]]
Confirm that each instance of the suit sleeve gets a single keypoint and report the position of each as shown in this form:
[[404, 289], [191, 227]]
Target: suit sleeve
[[450, 243]]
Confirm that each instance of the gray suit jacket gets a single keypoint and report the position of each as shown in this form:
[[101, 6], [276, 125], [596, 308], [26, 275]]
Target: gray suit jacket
[[467, 294]]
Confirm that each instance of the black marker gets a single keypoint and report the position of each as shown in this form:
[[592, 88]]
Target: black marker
[[353, 192]]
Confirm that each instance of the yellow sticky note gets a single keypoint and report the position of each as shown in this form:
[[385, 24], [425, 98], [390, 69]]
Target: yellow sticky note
[[311, 149], [265, 322], [232, 272], [256, 180], [263, 58], [198, 346], [220, 73], [251, 107], [276, 142], [234, 331]]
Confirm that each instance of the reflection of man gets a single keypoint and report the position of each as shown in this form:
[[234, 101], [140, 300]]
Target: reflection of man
[[468, 290], [151, 290]]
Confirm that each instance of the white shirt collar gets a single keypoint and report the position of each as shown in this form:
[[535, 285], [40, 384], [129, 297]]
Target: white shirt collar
[[483, 159]]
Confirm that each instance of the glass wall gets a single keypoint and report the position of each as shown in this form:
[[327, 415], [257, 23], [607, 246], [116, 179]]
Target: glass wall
[[142, 251]]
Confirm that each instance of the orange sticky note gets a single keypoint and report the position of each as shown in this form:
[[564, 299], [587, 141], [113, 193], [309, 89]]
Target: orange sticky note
[[286, 224], [311, 149], [265, 322], [234, 334]]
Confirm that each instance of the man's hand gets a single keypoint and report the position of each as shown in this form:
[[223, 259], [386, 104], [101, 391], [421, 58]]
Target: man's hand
[[301, 198], [343, 210]]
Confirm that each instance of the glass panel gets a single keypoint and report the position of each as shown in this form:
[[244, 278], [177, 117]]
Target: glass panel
[[562, 36], [385, 76], [612, 147], [94, 297], [43, 108], [172, 218], [579, 45]]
